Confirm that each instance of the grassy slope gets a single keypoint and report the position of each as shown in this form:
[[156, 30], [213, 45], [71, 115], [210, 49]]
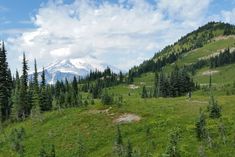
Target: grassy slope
[[98, 129], [205, 51], [161, 115]]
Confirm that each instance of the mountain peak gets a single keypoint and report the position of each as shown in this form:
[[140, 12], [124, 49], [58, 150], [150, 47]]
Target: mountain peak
[[78, 67]]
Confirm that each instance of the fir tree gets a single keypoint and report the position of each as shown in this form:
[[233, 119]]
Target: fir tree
[[36, 111], [120, 77], [201, 126], [106, 98], [144, 92], [214, 108], [45, 99], [75, 85], [43, 77], [210, 82], [24, 103], [4, 88]]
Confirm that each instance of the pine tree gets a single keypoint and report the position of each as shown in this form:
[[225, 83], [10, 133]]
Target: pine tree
[[120, 77], [36, 111], [44, 95], [210, 82], [214, 108], [201, 126], [106, 98], [43, 77], [156, 85], [24, 104], [144, 92], [4, 82], [75, 85]]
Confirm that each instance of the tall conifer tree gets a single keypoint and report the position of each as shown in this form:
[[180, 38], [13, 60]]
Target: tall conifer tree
[[36, 99], [4, 88], [24, 103]]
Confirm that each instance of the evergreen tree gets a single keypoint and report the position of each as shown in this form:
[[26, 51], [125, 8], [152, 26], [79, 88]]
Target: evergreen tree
[[156, 85], [36, 111], [214, 108], [120, 77], [106, 98], [43, 77], [201, 126], [4, 82], [24, 103], [75, 85], [210, 82], [144, 93], [45, 97]]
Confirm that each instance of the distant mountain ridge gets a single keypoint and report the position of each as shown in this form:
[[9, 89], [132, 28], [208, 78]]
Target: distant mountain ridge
[[78, 67]]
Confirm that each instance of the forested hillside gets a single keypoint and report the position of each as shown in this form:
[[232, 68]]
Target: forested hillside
[[178, 103]]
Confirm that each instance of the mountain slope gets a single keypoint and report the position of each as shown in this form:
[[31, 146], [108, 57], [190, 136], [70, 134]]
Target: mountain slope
[[221, 34]]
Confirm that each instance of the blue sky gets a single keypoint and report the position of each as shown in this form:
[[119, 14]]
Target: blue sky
[[120, 32]]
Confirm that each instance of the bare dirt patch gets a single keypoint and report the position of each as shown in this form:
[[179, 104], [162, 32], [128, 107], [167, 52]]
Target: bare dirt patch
[[132, 86], [127, 118], [207, 73]]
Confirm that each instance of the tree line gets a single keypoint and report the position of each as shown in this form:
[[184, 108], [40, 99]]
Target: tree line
[[177, 83], [21, 97]]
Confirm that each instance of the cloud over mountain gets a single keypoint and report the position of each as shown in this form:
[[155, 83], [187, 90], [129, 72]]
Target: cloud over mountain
[[123, 33]]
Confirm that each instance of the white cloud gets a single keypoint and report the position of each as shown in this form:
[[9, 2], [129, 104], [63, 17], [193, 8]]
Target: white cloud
[[229, 16], [121, 34]]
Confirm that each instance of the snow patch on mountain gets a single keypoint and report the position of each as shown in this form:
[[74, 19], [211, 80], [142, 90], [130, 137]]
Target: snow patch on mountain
[[79, 67]]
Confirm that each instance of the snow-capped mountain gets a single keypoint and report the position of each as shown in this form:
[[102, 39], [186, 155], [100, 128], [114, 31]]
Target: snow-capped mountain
[[79, 67]]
